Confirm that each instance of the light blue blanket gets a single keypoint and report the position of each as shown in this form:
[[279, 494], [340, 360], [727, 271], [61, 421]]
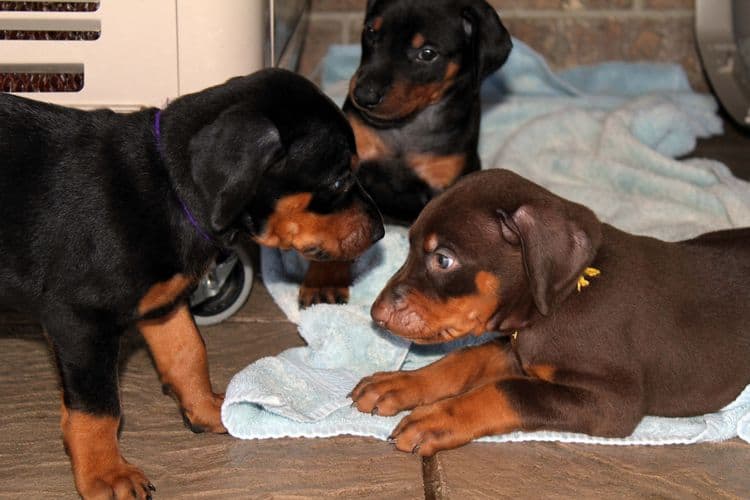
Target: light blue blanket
[[605, 136]]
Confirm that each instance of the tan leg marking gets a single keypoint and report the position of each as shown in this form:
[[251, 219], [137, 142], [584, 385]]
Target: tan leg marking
[[163, 293], [452, 422], [99, 469], [182, 363], [388, 393]]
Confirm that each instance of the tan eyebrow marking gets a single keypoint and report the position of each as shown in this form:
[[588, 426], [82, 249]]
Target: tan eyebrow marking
[[431, 243], [418, 41]]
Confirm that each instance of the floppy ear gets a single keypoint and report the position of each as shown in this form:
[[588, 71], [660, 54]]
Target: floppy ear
[[227, 159], [558, 244], [490, 40]]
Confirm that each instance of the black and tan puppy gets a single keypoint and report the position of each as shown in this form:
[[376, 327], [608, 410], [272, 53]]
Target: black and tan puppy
[[108, 220], [663, 330], [414, 106]]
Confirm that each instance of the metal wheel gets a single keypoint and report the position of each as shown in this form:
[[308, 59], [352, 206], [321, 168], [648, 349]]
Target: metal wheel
[[224, 289]]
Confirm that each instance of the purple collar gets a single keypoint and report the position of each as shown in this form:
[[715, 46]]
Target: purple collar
[[185, 209]]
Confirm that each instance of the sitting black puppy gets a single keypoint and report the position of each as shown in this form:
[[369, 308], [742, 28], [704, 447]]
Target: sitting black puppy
[[415, 109], [108, 220], [414, 101]]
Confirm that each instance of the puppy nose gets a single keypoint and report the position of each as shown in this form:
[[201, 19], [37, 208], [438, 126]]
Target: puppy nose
[[380, 312], [367, 96]]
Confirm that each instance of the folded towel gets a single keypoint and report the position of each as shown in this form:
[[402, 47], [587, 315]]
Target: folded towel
[[604, 136]]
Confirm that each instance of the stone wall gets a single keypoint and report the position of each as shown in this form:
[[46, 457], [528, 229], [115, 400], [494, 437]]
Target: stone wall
[[567, 32]]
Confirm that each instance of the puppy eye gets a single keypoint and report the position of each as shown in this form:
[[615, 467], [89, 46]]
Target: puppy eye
[[442, 260], [341, 184], [370, 33], [427, 54]]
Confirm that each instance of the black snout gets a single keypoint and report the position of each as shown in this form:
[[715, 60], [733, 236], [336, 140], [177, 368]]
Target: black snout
[[367, 95], [378, 231]]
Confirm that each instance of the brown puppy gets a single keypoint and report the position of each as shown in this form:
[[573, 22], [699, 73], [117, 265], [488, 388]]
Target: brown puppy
[[663, 330]]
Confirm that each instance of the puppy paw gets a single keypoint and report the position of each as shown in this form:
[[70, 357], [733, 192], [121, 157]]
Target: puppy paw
[[325, 283], [309, 295], [388, 393], [205, 416], [120, 480], [429, 429]]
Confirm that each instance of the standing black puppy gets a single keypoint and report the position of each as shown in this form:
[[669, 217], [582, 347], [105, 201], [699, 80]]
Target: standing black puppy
[[415, 109], [107, 221]]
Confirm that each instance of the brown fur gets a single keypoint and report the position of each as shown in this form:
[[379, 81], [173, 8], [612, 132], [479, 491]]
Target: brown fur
[[387, 393], [439, 320], [661, 331], [452, 422]]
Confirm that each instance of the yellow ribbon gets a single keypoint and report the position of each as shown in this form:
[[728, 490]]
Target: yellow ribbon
[[590, 272]]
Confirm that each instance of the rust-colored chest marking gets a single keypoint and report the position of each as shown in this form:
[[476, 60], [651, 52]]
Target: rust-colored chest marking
[[438, 172], [369, 144], [164, 293]]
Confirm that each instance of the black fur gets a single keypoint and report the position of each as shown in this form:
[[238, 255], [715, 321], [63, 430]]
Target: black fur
[[467, 33], [91, 213]]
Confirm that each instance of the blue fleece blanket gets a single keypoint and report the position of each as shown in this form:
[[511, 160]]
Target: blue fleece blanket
[[606, 136]]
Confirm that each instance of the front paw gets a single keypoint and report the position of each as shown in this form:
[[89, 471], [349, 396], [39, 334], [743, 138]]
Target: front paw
[[388, 393], [429, 429], [309, 295], [118, 480], [205, 416]]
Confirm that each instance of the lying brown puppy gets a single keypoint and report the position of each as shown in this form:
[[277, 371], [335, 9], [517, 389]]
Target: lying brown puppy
[[663, 330]]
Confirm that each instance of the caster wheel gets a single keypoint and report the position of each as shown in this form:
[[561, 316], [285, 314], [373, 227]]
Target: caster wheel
[[224, 289]]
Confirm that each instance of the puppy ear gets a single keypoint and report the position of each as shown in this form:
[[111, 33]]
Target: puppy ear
[[490, 41], [558, 242], [227, 159]]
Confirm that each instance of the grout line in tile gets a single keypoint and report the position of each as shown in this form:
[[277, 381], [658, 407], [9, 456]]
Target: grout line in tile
[[433, 479]]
